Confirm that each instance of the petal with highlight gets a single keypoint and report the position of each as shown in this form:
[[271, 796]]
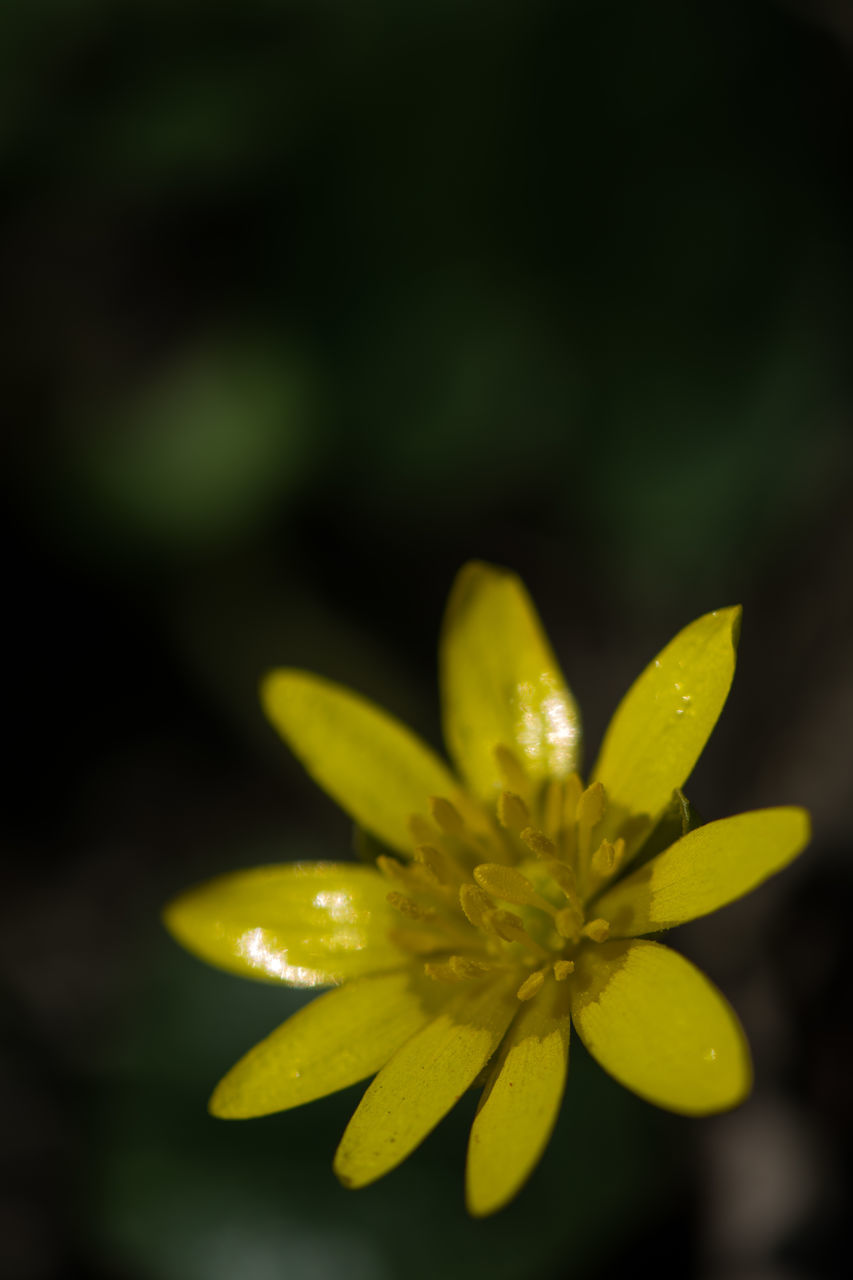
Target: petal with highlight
[[501, 684], [662, 724], [371, 764], [521, 1101], [335, 1041], [303, 924], [660, 1027], [704, 870], [423, 1080]]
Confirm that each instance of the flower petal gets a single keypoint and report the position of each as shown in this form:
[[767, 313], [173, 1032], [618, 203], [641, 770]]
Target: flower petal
[[423, 1080], [520, 1103], [704, 870], [336, 1040], [662, 724], [501, 684], [303, 924], [373, 766], [660, 1027]]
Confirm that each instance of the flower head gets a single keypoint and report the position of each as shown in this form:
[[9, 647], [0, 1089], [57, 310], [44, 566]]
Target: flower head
[[512, 901]]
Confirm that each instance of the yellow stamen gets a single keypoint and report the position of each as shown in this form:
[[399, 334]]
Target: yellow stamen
[[562, 969], [477, 906], [597, 930], [419, 941], [531, 985], [511, 928], [513, 813], [538, 843], [591, 805], [509, 885], [552, 807], [446, 815], [568, 922], [572, 789], [441, 865], [513, 775], [409, 907], [604, 859], [421, 831]]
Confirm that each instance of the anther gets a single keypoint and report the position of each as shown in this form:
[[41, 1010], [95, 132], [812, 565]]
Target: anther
[[591, 805], [409, 907], [511, 928], [572, 791], [514, 777], [604, 859], [538, 843], [562, 969], [509, 885], [477, 906], [513, 813], [440, 865], [568, 922], [446, 815], [531, 985], [596, 930], [552, 807], [421, 831]]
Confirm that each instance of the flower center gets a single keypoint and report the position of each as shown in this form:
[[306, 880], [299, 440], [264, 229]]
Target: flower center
[[507, 892]]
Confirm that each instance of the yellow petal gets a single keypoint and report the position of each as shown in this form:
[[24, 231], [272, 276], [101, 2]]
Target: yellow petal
[[374, 767], [303, 924], [520, 1103], [501, 684], [704, 870], [663, 722], [657, 1024], [423, 1080], [338, 1039]]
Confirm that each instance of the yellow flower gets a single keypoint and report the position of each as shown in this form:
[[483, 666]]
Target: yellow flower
[[510, 908]]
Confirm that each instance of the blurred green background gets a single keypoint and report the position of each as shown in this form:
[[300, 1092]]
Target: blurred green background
[[307, 304]]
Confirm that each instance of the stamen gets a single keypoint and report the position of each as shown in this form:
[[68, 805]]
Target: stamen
[[531, 985], [552, 807], [562, 969], [442, 866], [419, 941], [421, 831], [509, 885], [412, 876], [573, 789], [409, 907], [513, 813], [538, 843], [568, 922], [511, 928], [591, 805], [446, 815], [513, 775], [604, 859], [597, 930], [456, 969], [477, 906]]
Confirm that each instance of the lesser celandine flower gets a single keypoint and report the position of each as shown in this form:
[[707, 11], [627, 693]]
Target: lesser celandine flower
[[513, 901]]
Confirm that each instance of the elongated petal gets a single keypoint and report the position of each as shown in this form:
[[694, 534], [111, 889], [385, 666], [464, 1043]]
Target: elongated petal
[[423, 1080], [704, 870], [303, 924], [664, 721], [373, 766], [500, 683], [521, 1100], [657, 1024], [337, 1040]]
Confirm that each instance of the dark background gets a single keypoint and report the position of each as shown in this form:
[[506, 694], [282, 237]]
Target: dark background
[[308, 303]]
